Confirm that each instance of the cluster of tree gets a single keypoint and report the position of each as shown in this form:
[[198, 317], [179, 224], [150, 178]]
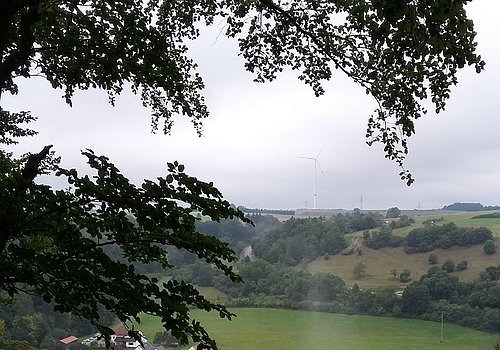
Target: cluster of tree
[[382, 238], [403, 221], [34, 323], [297, 239], [474, 304], [450, 266], [491, 273], [458, 206], [277, 285], [358, 221], [429, 237], [393, 213]]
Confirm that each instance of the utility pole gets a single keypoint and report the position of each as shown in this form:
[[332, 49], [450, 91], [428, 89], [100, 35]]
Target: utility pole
[[442, 321]]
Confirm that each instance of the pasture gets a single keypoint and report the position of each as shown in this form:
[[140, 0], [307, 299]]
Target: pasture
[[380, 262], [273, 329]]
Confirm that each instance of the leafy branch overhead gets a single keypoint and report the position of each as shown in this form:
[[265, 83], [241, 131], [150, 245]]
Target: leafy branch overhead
[[401, 52]]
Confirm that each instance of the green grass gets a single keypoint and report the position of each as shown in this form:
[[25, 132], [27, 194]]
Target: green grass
[[273, 329], [379, 264]]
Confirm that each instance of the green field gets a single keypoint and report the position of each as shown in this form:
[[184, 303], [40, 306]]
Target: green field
[[273, 329]]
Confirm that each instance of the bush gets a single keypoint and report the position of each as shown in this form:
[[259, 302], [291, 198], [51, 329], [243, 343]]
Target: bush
[[433, 259], [489, 247], [405, 276], [462, 265], [448, 266]]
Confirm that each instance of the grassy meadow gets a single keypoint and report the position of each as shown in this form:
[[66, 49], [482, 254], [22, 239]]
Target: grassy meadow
[[380, 262], [273, 329]]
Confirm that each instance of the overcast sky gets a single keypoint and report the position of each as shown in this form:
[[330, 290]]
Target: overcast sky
[[256, 133]]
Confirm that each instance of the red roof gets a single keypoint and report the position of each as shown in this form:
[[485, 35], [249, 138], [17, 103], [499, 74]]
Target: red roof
[[68, 340], [120, 331]]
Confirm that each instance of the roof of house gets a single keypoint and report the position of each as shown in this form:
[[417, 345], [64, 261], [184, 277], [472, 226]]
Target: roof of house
[[124, 339], [68, 340], [120, 331]]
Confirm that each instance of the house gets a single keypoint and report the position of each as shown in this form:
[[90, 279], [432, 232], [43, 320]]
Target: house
[[123, 340], [126, 341], [68, 341]]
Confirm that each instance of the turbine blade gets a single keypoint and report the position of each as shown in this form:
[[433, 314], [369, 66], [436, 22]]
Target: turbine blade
[[321, 150], [317, 163]]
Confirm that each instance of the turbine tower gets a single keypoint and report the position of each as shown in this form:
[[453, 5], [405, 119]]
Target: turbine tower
[[316, 166]]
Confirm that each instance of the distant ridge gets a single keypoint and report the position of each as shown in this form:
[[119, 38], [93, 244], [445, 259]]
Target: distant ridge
[[266, 211], [458, 206]]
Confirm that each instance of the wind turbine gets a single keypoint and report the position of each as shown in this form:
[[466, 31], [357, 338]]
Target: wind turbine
[[316, 166]]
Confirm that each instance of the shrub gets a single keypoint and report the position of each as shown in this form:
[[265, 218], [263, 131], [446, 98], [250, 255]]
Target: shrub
[[489, 247], [405, 276], [462, 265], [448, 266], [433, 259]]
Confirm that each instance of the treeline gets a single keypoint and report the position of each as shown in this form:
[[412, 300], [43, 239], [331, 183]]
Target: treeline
[[475, 305], [458, 206], [266, 211], [429, 237], [280, 286], [445, 236]]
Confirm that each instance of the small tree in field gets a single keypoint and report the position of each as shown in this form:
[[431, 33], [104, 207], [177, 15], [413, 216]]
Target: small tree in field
[[433, 259], [462, 265], [359, 269], [448, 266], [489, 247], [405, 276]]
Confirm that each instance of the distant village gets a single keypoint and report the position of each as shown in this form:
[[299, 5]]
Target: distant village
[[119, 340]]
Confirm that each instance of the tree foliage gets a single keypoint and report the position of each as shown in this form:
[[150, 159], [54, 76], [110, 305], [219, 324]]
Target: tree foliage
[[400, 52], [448, 265], [61, 236], [427, 238], [433, 259], [393, 213], [489, 247], [296, 239], [359, 269]]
